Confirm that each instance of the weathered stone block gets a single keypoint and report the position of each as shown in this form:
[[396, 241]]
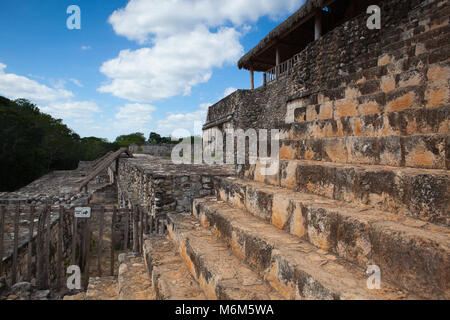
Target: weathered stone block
[[439, 71], [388, 83], [310, 149], [363, 150], [335, 150], [410, 78], [289, 149], [437, 93], [312, 112], [402, 99], [345, 108], [326, 111], [390, 151], [300, 114], [425, 151]]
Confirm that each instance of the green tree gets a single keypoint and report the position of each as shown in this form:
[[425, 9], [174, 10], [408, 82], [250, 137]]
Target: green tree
[[33, 143], [129, 139]]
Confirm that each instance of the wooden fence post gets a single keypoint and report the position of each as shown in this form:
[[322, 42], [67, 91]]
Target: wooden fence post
[[100, 241], [113, 222], [135, 228], [60, 248], [74, 239], [87, 247], [30, 245], [161, 227], [40, 249], [127, 227], [150, 223], [48, 235], [146, 222], [16, 245], [2, 237], [141, 235]]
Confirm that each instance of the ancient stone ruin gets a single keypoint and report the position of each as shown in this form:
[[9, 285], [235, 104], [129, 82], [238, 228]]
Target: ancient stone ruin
[[361, 187]]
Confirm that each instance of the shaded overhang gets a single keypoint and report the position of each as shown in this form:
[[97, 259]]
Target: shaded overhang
[[296, 32]]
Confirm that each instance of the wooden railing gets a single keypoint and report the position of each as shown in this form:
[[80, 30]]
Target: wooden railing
[[32, 230], [101, 165], [282, 70]]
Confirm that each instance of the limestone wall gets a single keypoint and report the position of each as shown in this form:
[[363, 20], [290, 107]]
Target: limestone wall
[[157, 150], [356, 82], [163, 187]]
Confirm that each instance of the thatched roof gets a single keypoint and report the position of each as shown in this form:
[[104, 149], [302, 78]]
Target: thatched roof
[[294, 21]]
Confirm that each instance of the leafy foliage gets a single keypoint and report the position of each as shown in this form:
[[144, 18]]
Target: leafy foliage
[[129, 139], [33, 143], [155, 138]]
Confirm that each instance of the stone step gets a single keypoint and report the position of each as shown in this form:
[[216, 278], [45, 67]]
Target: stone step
[[170, 278], [420, 193], [100, 288], [220, 274], [379, 124], [133, 280], [418, 151], [296, 268], [359, 234]]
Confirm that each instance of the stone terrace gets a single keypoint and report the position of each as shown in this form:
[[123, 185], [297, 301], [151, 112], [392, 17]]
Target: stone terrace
[[164, 186]]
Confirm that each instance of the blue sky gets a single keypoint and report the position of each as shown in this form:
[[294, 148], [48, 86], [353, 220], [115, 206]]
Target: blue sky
[[138, 65]]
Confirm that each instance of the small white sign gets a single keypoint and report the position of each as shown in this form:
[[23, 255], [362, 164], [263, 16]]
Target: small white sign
[[81, 212]]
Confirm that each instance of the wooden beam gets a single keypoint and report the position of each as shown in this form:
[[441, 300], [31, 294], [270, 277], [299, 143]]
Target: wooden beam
[[113, 238], [2, 235], [87, 247], [318, 25], [102, 166], [60, 249], [74, 239], [16, 245], [252, 79], [30, 245], [100, 241]]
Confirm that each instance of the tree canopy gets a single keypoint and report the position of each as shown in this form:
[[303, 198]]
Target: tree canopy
[[129, 139], [33, 143], [156, 138]]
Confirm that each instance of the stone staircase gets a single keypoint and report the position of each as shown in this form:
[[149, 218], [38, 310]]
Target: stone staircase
[[294, 236], [281, 237], [362, 181], [312, 229], [308, 232], [131, 283]]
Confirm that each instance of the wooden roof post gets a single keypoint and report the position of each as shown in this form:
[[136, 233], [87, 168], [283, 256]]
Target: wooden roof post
[[252, 79], [277, 61], [318, 26]]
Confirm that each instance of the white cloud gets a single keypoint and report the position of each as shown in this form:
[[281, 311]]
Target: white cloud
[[84, 48], [229, 91], [172, 66], [186, 40], [14, 87], [78, 111], [141, 19], [55, 101], [192, 121], [134, 118], [76, 82]]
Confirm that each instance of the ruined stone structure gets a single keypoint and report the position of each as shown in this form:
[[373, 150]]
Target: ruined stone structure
[[362, 181], [363, 173], [163, 150]]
